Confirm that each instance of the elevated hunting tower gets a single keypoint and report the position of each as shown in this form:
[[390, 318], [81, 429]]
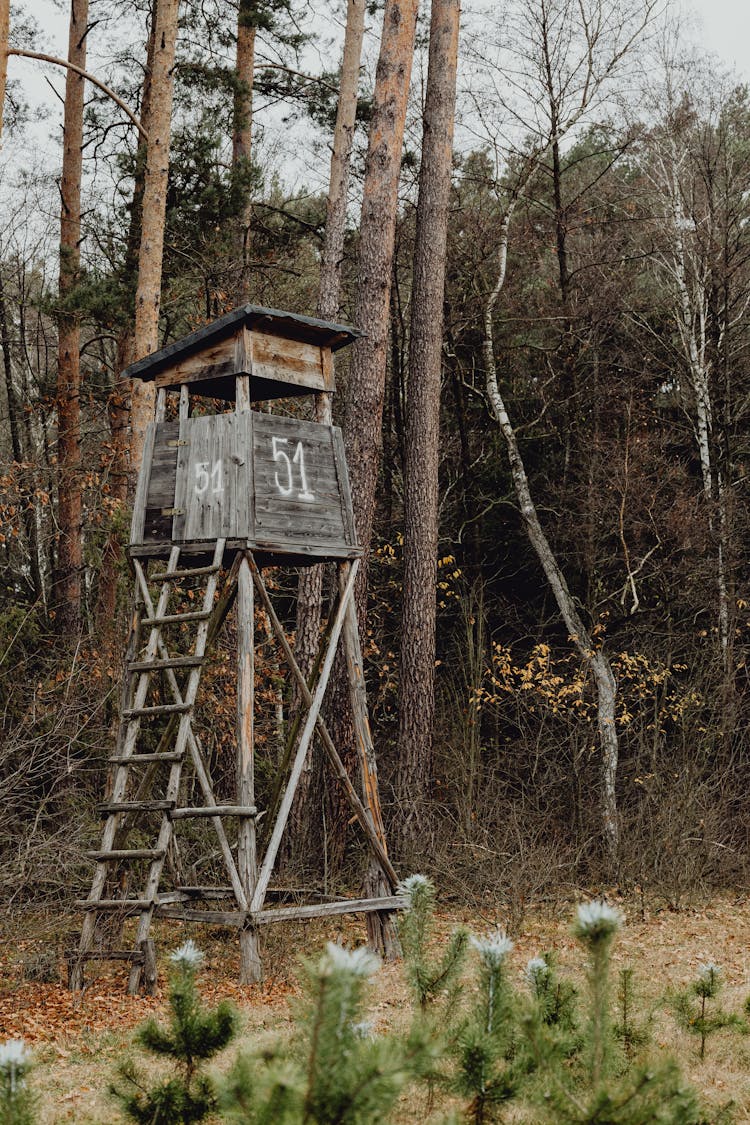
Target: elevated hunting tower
[[224, 491]]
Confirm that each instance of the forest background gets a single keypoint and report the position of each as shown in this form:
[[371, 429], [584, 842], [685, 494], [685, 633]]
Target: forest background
[[552, 482]]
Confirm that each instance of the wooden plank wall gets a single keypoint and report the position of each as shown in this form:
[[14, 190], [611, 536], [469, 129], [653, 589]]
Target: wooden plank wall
[[278, 483], [297, 499], [215, 479]]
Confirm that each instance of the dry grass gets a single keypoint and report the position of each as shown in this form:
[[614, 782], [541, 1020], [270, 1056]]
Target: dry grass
[[79, 1039]]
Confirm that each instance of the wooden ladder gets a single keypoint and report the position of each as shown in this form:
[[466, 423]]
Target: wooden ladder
[[154, 738]]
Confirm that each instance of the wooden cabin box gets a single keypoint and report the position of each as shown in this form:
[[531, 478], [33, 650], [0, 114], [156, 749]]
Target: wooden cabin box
[[271, 483]]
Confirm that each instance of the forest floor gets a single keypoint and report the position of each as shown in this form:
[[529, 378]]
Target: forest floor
[[80, 1039]]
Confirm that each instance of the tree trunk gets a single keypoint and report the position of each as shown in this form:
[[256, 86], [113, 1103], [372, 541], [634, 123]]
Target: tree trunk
[[365, 390], [598, 662], [15, 409], [417, 680], [242, 143], [148, 293], [118, 406], [67, 585], [4, 36], [310, 586]]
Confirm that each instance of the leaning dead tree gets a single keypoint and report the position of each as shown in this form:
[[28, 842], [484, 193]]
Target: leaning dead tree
[[596, 659]]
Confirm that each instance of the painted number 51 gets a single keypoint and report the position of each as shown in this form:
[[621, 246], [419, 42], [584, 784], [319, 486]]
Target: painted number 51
[[208, 475], [284, 475]]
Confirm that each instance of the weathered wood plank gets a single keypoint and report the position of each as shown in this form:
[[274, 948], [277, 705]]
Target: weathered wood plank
[[345, 492], [242, 811], [332, 753], [212, 917], [269, 858], [247, 860], [329, 909], [138, 522], [123, 854], [281, 360]]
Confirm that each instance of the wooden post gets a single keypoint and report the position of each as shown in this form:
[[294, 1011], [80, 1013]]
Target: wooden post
[[305, 738], [381, 927], [247, 861]]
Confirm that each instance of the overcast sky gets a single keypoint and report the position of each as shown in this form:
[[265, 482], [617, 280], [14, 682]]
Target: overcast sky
[[725, 27]]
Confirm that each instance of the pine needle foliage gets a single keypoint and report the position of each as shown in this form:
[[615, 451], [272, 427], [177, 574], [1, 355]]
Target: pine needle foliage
[[488, 1067], [589, 1093], [697, 1011], [430, 979], [17, 1101], [194, 1035], [337, 1071], [632, 1034], [554, 1001]]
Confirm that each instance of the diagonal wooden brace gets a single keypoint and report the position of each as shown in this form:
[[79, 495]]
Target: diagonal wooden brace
[[269, 858], [332, 753]]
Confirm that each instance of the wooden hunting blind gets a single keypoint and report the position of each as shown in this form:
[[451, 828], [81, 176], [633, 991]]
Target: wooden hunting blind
[[222, 494]]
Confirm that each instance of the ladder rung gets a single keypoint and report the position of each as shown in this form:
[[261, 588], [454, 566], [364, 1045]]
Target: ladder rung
[[187, 572], [171, 662], [216, 810], [170, 618], [127, 853], [126, 905], [138, 759], [133, 806], [159, 709]]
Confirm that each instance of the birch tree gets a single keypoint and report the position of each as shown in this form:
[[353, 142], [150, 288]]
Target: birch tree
[[4, 39], [572, 55], [696, 167]]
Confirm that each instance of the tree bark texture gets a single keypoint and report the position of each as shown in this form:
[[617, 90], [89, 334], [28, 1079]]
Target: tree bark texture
[[366, 388], [4, 36], [310, 586], [242, 129], [148, 293], [598, 662], [416, 683], [67, 593], [119, 400]]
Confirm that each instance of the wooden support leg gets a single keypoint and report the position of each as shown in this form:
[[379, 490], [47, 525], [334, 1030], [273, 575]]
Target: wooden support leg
[[302, 747], [247, 862], [381, 926]]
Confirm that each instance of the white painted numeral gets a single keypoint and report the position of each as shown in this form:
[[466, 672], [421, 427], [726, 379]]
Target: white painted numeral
[[286, 486], [209, 473], [299, 459]]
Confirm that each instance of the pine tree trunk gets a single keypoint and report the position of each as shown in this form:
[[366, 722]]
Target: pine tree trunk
[[366, 387], [119, 404], [67, 584], [148, 293], [242, 143], [310, 586], [416, 684], [4, 36]]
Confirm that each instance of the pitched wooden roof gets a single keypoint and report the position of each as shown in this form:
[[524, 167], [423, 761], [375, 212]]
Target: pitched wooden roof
[[292, 326]]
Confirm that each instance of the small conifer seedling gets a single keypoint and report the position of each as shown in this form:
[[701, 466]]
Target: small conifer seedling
[[428, 979], [336, 1071], [696, 1008], [489, 1070], [193, 1037], [16, 1098]]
